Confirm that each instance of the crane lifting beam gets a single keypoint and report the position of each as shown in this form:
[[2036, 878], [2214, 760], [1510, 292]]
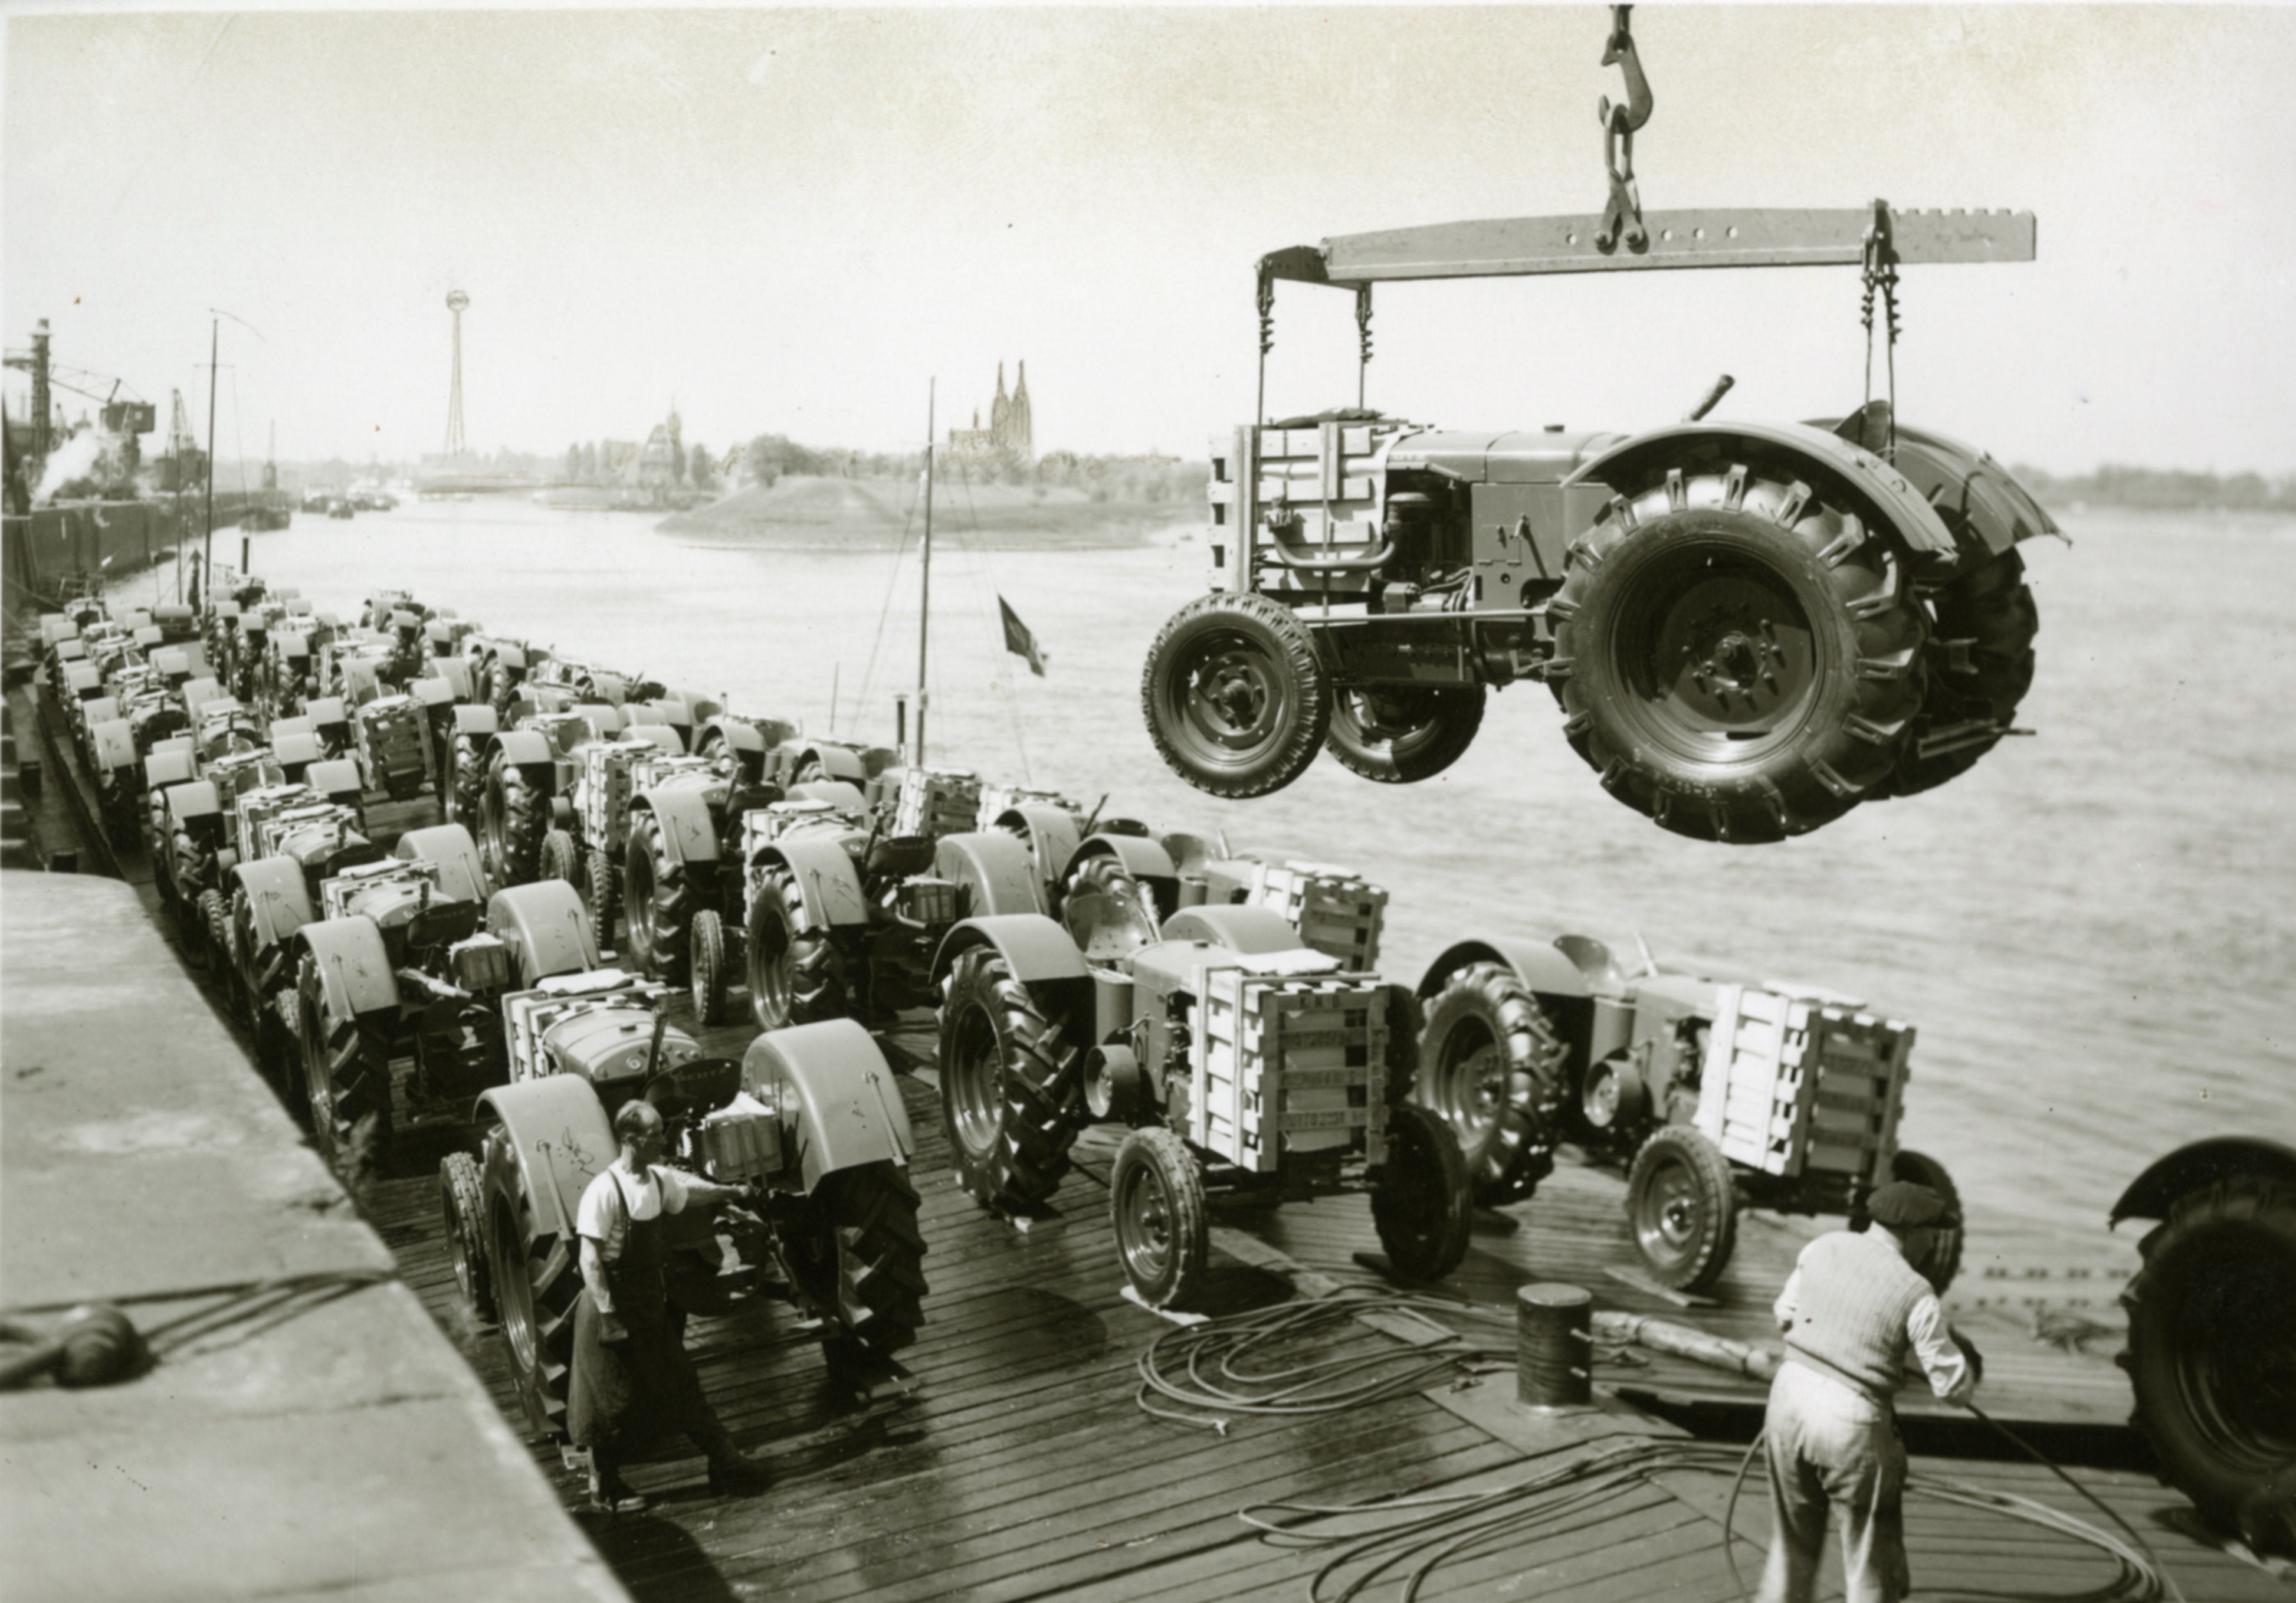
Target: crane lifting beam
[[1511, 247]]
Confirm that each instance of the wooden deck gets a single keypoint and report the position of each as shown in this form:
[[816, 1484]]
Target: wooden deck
[[1020, 1466]]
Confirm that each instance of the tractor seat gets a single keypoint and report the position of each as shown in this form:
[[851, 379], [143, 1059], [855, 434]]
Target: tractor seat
[[901, 855]]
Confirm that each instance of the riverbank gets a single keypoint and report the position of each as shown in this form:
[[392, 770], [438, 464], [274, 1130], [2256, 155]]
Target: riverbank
[[866, 514]]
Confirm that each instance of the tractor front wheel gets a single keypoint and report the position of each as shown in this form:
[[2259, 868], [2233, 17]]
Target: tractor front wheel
[[1163, 1233], [1739, 654], [559, 858], [796, 970], [462, 1197], [602, 888], [1008, 1099], [1424, 1204], [1235, 698], [1402, 736], [1682, 1203], [858, 1256], [466, 786], [2211, 1355], [1490, 1063], [706, 964]]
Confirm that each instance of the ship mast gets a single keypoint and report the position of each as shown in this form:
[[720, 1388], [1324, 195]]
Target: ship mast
[[925, 597]]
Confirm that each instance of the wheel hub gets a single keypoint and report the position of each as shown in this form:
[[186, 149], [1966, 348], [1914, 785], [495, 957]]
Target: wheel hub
[[1231, 700], [1732, 654]]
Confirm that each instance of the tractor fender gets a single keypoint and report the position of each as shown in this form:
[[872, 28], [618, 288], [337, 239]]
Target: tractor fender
[[737, 734], [164, 768], [1036, 950], [450, 848], [82, 678], [557, 1133], [196, 800], [456, 672], [353, 965], [277, 897], [844, 797], [198, 693], [1965, 484], [562, 816], [1053, 836], [510, 656], [528, 749], [337, 779], [996, 869], [1143, 859], [115, 746], [700, 706], [296, 749], [1542, 967], [612, 689], [604, 718], [1890, 493], [688, 833], [2154, 1193], [661, 736], [475, 718], [288, 725], [838, 762], [101, 710], [826, 878], [433, 693], [839, 1106], [543, 926], [1241, 929]]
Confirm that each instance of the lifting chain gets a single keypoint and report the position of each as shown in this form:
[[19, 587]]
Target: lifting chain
[[1880, 273], [1363, 338], [1624, 214]]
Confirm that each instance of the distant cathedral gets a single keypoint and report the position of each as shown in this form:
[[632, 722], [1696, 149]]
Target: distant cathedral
[[1008, 438]]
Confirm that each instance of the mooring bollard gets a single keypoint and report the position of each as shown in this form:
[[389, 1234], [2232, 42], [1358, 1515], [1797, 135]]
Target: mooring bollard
[[1554, 1345]]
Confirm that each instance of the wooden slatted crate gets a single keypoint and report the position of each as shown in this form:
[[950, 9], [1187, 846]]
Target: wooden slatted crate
[[1283, 1065], [1335, 911], [1792, 1086], [1313, 489], [936, 801]]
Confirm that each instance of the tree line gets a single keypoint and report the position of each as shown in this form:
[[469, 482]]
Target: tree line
[[2166, 489]]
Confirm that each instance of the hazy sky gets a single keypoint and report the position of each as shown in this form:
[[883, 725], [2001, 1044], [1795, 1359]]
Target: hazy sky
[[788, 220]]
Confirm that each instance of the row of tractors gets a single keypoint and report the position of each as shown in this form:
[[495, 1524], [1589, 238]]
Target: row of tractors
[[1225, 1006]]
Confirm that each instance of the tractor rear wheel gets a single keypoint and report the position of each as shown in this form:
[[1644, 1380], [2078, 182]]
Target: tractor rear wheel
[[1009, 1098], [466, 788], [1402, 736], [346, 1064], [1490, 1065], [858, 1256], [513, 819], [796, 971], [1980, 665], [1682, 1203], [502, 689], [1740, 656], [462, 1197], [1234, 696], [536, 1284], [1944, 1261], [2211, 1355], [559, 858], [658, 899], [215, 922], [706, 963], [1156, 1201], [1423, 1205], [601, 889]]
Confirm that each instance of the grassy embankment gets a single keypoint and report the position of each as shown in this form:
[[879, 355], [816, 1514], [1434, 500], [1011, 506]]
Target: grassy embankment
[[871, 514]]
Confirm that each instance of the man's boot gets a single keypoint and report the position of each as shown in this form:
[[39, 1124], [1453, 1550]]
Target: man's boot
[[608, 1492], [732, 1471]]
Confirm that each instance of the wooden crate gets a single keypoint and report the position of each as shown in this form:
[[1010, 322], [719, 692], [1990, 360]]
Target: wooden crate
[[1335, 911], [1792, 1086], [1283, 1064], [995, 799], [936, 801], [1320, 482]]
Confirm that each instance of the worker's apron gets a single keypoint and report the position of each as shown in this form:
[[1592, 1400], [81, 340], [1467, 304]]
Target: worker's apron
[[623, 1392]]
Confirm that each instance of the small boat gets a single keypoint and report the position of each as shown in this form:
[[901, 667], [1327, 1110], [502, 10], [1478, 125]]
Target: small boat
[[338, 508]]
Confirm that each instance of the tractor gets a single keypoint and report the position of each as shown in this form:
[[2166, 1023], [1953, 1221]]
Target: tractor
[[397, 965], [291, 841], [841, 917], [2212, 1354], [1714, 1091], [531, 774], [1752, 625], [811, 1117], [498, 666], [1246, 1064]]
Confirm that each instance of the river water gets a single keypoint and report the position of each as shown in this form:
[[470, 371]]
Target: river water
[[2093, 930]]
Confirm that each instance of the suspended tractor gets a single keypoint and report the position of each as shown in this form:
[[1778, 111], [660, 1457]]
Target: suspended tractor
[[396, 966], [1714, 1091], [1243, 1062], [1752, 627], [842, 917], [2212, 1354], [811, 1117]]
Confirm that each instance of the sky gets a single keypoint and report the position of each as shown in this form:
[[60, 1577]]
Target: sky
[[795, 221]]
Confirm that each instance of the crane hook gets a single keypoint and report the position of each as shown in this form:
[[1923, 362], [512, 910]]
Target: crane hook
[[1623, 216]]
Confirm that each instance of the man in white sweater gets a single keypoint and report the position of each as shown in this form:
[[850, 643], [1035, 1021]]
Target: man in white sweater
[[1854, 1311]]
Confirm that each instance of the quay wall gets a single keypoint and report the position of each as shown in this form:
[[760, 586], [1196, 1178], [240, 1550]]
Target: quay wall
[[103, 541], [306, 1428]]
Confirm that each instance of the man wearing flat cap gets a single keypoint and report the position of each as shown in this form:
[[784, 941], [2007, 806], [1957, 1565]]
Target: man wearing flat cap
[[1855, 1310]]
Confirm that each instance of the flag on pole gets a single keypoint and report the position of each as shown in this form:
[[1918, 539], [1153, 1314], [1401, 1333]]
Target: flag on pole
[[1019, 641]]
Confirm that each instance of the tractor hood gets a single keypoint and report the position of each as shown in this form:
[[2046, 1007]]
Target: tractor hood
[[612, 1042], [1542, 456]]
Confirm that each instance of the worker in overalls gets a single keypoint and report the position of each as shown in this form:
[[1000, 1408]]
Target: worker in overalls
[[1855, 1309], [631, 1375]]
